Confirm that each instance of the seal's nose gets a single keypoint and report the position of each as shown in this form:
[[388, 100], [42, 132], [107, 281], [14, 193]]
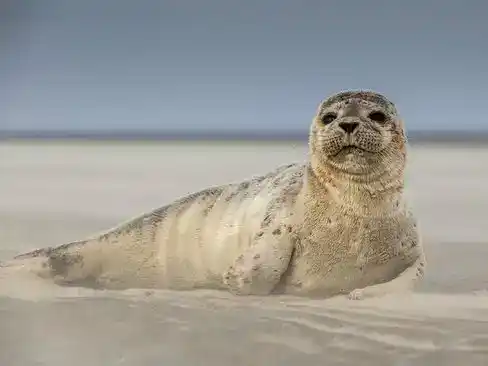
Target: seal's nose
[[348, 127]]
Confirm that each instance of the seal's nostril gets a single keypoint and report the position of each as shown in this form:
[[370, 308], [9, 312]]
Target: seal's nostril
[[348, 127]]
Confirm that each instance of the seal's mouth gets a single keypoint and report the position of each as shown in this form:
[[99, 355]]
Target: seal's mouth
[[351, 149]]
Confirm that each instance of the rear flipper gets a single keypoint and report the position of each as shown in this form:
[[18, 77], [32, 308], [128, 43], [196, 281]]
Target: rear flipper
[[108, 261], [67, 265]]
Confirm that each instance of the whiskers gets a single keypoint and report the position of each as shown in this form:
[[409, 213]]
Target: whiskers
[[328, 143]]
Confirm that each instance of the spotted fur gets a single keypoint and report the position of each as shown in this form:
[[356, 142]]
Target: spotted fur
[[335, 224]]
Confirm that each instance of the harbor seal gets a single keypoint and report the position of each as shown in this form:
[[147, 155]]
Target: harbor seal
[[335, 224]]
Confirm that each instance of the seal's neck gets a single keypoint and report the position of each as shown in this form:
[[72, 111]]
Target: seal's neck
[[366, 196]]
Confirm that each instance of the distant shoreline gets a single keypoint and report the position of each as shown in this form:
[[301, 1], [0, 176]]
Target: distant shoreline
[[415, 137]]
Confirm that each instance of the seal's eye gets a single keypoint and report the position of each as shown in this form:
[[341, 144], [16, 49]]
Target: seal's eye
[[328, 118], [377, 117]]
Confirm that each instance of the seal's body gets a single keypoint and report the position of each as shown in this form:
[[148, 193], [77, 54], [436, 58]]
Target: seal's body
[[336, 224]]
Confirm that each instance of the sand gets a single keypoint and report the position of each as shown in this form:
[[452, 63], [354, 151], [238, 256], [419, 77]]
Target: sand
[[58, 192]]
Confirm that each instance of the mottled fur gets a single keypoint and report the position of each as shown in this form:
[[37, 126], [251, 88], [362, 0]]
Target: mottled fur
[[336, 224]]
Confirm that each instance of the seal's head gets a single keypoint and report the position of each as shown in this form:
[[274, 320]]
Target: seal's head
[[358, 133]]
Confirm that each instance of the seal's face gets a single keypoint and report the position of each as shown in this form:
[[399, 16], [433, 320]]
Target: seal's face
[[355, 131]]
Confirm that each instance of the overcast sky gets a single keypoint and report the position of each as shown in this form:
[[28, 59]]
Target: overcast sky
[[235, 65]]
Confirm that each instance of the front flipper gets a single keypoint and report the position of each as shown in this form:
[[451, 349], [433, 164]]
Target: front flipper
[[404, 282], [258, 270]]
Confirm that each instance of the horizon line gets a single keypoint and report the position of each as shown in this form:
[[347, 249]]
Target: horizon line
[[178, 135]]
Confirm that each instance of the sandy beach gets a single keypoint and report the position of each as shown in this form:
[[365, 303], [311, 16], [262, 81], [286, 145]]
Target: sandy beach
[[51, 193]]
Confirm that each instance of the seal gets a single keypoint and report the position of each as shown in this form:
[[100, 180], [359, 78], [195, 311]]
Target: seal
[[336, 224]]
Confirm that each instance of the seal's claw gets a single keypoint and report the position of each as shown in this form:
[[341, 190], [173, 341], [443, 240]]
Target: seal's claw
[[237, 282], [356, 294]]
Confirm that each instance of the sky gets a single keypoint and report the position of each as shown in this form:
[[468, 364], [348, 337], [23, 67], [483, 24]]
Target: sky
[[237, 65]]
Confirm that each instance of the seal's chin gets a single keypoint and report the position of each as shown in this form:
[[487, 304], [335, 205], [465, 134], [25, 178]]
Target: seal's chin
[[353, 159]]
